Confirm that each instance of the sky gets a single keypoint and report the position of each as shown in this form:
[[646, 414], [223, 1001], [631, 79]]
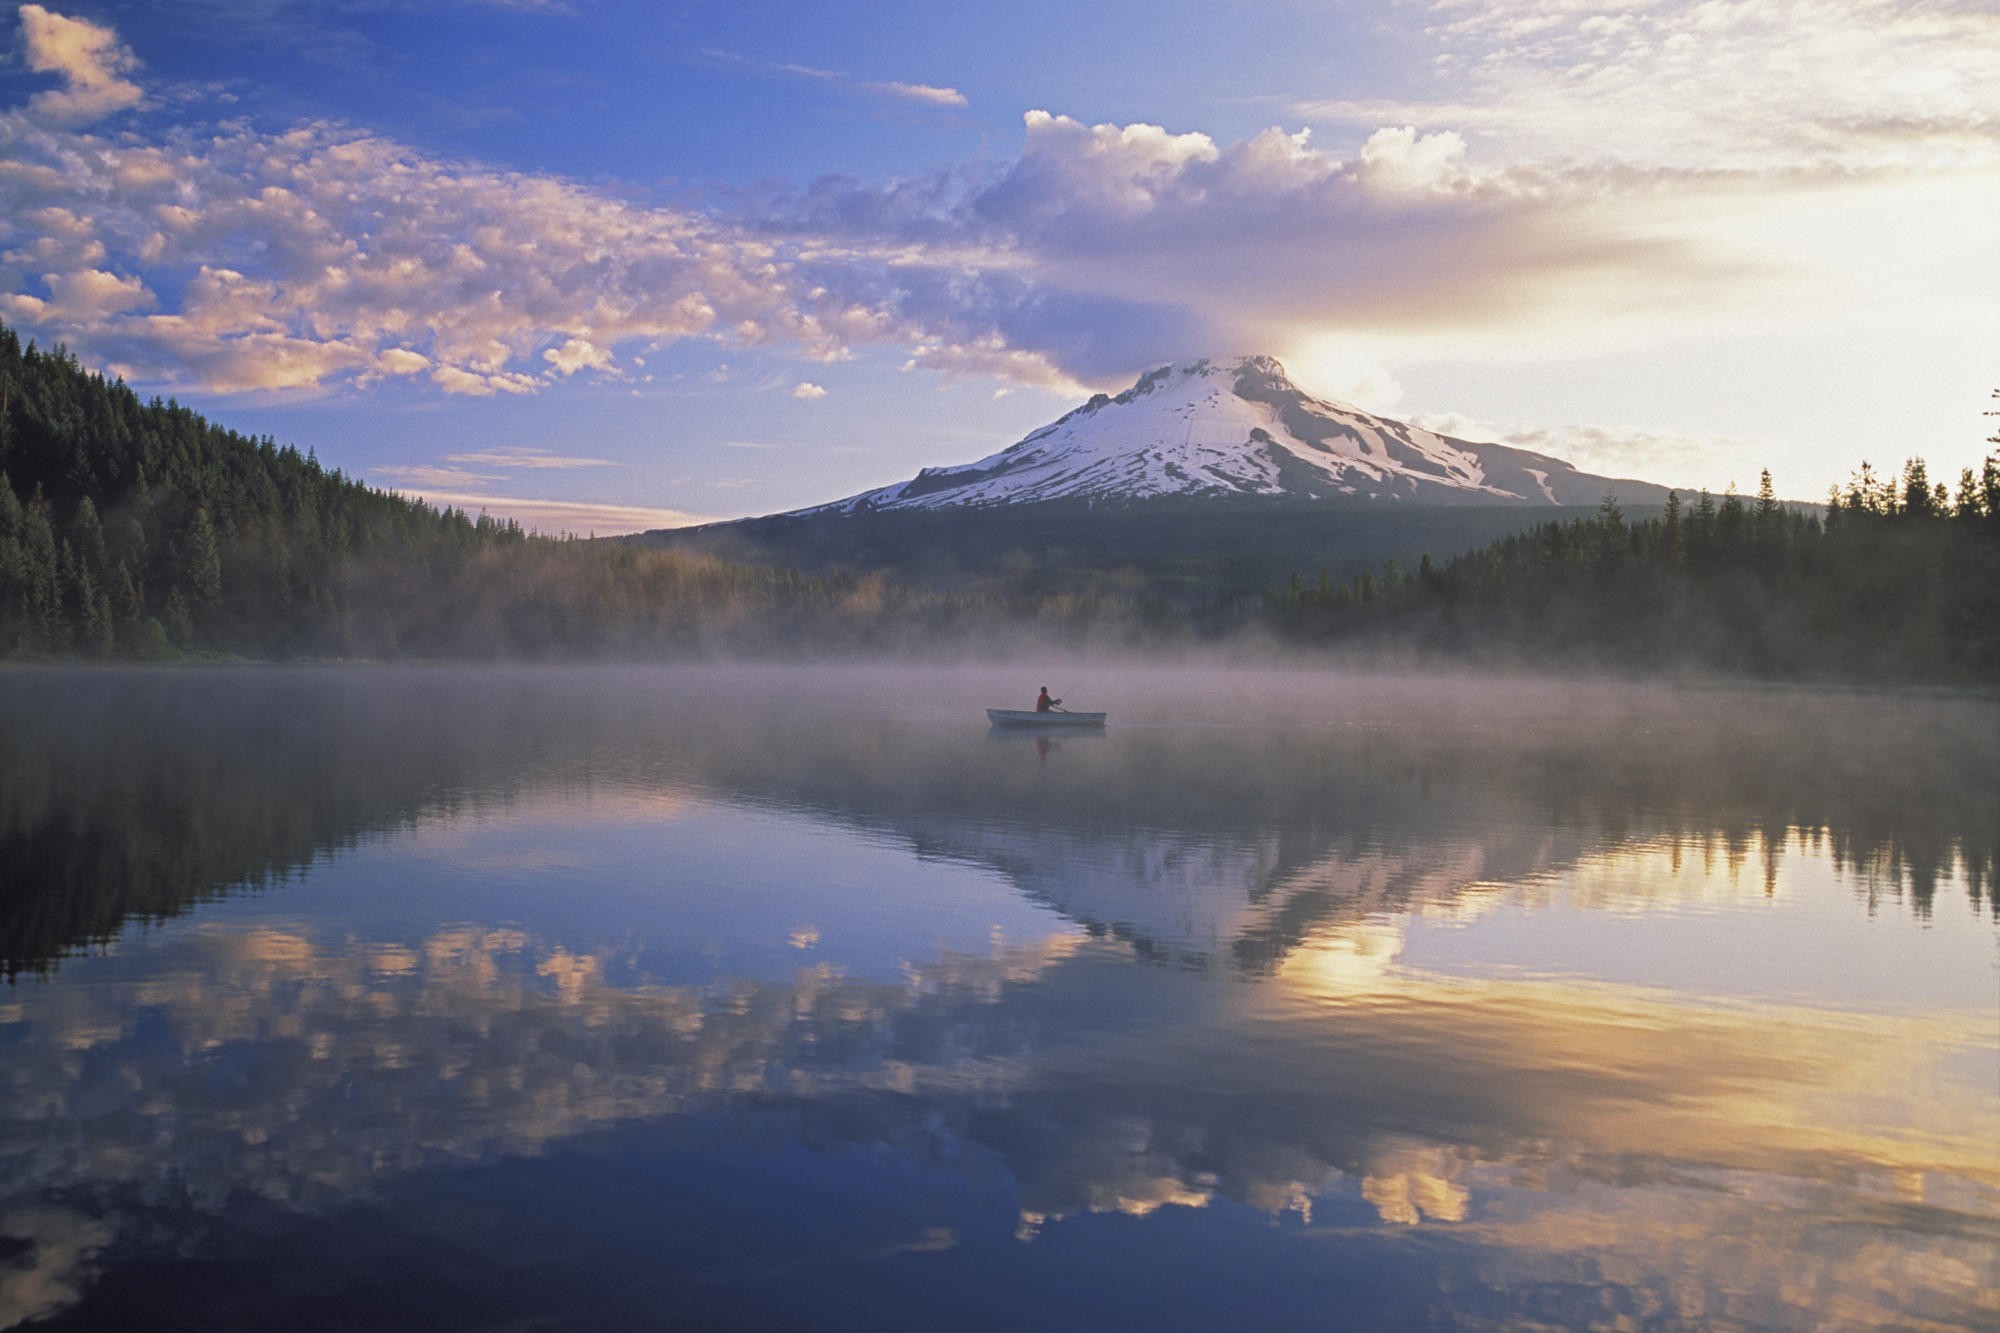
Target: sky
[[604, 265]]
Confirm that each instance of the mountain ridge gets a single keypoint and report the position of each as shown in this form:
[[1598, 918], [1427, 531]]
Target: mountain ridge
[[1239, 427]]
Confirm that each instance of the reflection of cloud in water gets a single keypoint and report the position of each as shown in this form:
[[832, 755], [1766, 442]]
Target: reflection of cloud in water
[[1415, 1184], [52, 1274], [312, 1072], [539, 831], [1560, 1135]]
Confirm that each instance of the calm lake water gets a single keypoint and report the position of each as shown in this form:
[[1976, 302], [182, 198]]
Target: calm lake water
[[434, 998]]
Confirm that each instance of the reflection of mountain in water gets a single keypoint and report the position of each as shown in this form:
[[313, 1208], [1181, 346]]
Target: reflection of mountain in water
[[1204, 843], [1196, 901], [1587, 1148], [135, 794]]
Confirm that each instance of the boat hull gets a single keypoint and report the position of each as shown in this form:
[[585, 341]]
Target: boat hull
[[1022, 717]]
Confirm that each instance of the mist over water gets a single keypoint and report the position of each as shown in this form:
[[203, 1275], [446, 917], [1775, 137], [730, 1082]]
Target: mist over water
[[602, 997]]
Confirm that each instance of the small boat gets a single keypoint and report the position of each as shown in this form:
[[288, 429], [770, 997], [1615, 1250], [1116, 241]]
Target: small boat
[[1028, 717]]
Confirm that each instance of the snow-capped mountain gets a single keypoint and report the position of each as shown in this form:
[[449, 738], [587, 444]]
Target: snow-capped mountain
[[1240, 427]]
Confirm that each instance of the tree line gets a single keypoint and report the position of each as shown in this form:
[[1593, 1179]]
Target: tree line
[[137, 529], [1898, 577]]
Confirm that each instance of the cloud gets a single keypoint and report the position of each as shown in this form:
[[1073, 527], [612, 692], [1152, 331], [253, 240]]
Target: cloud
[[234, 258], [924, 94], [559, 517], [402, 361], [423, 477], [808, 390], [90, 59], [83, 297], [577, 354], [527, 456], [919, 92], [1770, 85], [1668, 457], [322, 252], [472, 384]]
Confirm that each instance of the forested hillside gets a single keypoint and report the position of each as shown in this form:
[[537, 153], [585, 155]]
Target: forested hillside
[[141, 530], [1899, 578]]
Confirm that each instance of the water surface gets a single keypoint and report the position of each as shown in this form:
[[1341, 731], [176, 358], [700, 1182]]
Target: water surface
[[440, 998]]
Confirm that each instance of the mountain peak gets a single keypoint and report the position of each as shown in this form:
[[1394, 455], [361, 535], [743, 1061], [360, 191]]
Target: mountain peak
[[1230, 426]]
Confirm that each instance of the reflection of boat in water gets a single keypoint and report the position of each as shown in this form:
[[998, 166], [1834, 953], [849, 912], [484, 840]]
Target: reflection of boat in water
[[1054, 718]]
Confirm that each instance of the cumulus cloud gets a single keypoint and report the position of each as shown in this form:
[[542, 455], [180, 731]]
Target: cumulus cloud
[[402, 361], [234, 258], [324, 252], [808, 390], [577, 354], [90, 59]]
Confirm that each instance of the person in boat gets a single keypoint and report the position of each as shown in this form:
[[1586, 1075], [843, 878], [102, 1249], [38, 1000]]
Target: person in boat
[[1044, 704]]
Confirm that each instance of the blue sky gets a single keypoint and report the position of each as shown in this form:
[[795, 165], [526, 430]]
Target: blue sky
[[605, 265]]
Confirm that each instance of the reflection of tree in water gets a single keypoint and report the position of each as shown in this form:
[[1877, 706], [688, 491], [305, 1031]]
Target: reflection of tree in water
[[132, 795], [135, 794], [1295, 827]]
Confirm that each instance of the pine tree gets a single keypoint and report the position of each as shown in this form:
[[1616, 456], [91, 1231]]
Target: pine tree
[[1917, 497], [1731, 521], [200, 563], [179, 624], [1767, 503]]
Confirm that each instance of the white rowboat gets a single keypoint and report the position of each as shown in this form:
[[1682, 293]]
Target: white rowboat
[[1027, 717]]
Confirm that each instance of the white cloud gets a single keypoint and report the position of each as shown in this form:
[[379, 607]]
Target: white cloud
[[1399, 158], [577, 354], [925, 94], [1647, 454], [1538, 211], [324, 252], [423, 477], [92, 294], [808, 390], [472, 384], [555, 518], [528, 457], [90, 59], [919, 92], [1747, 83]]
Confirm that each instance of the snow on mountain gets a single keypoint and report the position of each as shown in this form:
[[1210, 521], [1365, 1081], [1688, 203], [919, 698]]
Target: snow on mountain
[[1239, 427]]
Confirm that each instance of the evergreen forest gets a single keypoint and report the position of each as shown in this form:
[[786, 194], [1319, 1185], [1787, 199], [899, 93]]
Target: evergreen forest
[[134, 529], [1897, 579], [140, 530]]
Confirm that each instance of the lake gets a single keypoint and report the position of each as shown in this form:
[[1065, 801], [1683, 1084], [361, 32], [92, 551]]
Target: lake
[[759, 997]]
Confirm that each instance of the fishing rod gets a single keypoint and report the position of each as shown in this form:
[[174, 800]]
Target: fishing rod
[[1076, 684]]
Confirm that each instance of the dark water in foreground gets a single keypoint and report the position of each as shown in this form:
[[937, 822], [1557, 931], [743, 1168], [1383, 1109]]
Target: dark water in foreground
[[470, 999]]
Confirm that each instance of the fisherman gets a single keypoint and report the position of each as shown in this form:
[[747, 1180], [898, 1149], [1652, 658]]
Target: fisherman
[[1044, 703]]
